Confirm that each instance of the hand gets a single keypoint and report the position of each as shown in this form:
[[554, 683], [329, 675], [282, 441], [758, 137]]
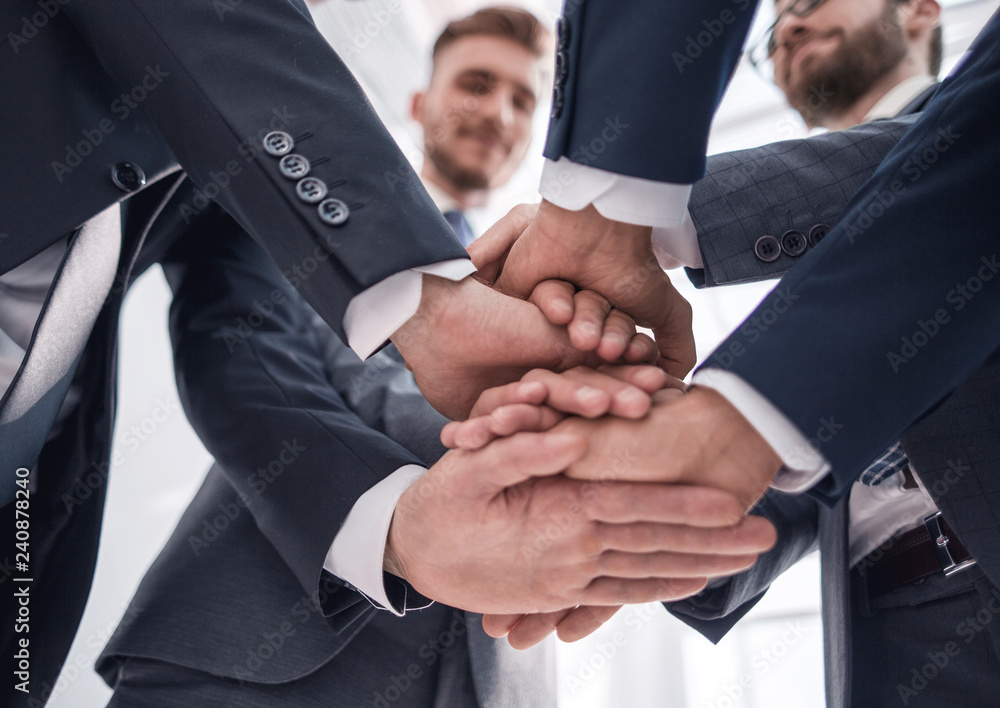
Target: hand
[[570, 625], [608, 257], [543, 398], [499, 531], [467, 337], [509, 409], [697, 438]]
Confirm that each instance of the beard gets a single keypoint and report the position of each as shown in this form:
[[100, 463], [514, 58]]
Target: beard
[[462, 178], [828, 88]]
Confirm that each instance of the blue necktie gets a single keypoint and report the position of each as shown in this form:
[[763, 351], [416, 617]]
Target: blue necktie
[[460, 226]]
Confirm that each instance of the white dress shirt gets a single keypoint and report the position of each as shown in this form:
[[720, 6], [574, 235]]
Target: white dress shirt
[[877, 513]]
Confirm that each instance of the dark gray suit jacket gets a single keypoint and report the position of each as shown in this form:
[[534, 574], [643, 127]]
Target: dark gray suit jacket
[[801, 186], [294, 416]]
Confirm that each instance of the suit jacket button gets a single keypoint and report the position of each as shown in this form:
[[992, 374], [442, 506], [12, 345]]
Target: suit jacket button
[[557, 100], [294, 166], [311, 190], [333, 211], [278, 143], [562, 67], [128, 176], [767, 249], [794, 243], [562, 33], [817, 232]]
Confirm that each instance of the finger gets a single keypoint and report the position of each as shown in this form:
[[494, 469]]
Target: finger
[[675, 339], [469, 435], [510, 461], [533, 628], [498, 626], [667, 564], [667, 394], [754, 535], [589, 313], [641, 350], [489, 250], [555, 299], [572, 392], [623, 591], [524, 391], [618, 331], [647, 378], [622, 502], [585, 620], [521, 418]]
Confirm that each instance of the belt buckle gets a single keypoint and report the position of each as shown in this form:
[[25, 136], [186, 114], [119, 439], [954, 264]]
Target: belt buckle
[[940, 540]]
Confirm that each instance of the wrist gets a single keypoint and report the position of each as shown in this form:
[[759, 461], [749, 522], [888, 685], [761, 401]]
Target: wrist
[[391, 561], [590, 228]]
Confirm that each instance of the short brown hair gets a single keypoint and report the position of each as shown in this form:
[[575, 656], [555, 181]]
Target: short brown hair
[[512, 23]]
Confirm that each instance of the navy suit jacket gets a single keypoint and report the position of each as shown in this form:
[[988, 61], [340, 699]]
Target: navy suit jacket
[[917, 242], [954, 448]]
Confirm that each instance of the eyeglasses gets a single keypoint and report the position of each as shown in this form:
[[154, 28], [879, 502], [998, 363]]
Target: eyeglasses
[[763, 47]]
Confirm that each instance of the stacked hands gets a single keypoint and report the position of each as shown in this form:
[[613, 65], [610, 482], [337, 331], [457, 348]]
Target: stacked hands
[[592, 480]]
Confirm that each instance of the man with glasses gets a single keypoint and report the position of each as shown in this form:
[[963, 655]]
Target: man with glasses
[[846, 62]]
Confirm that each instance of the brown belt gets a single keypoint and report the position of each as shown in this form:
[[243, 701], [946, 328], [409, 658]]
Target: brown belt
[[928, 549]]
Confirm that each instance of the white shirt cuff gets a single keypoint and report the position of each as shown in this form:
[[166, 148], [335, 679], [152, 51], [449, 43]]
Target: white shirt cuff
[[631, 200], [374, 314], [677, 246], [358, 550], [804, 466]]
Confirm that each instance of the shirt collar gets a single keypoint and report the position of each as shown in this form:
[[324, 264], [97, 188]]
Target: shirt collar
[[899, 97]]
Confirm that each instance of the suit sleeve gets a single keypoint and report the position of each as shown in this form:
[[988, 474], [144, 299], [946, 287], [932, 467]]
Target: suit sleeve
[[252, 379], [898, 304], [220, 76], [714, 611], [637, 83], [793, 187]]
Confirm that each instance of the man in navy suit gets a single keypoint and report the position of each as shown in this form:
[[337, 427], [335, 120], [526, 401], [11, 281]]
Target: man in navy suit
[[841, 359]]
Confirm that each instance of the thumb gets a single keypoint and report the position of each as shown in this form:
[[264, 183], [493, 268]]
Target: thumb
[[509, 461], [489, 250]]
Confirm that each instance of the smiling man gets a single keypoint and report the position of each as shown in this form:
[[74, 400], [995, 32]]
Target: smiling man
[[476, 111], [837, 61]]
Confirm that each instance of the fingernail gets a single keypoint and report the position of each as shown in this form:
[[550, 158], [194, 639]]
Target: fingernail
[[589, 394], [562, 439], [631, 397], [563, 306], [617, 339]]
